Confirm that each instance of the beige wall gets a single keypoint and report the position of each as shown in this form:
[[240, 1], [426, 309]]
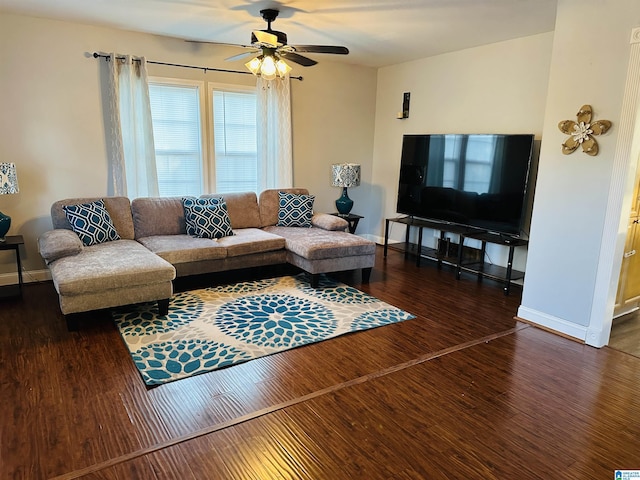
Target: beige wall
[[333, 122], [590, 60], [52, 117], [497, 88]]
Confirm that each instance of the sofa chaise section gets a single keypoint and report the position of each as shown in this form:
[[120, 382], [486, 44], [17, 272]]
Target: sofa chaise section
[[325, 247], [105, 275]]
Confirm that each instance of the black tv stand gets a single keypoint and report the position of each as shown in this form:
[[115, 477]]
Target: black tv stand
[[483, 269], [454, 253]]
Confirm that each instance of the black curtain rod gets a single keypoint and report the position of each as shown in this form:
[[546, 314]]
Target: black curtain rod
[[205, 69]]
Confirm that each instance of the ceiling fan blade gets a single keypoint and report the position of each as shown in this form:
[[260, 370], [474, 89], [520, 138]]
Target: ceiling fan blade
[[299, 59], [221, 43], [242, 56], [321, 49], [266, 38]]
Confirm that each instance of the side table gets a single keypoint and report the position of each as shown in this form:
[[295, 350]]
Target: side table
[[13, 242], [352, 218]]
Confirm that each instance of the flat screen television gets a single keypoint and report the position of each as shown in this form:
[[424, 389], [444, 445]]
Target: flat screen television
[[473, 180]]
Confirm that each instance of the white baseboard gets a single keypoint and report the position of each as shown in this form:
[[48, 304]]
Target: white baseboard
[[553, 323], [373, 238], [626, 311], [28, 276], [380, 240]]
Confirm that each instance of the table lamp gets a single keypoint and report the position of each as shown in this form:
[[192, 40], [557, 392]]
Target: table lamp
[[8, 185], [345, 175]]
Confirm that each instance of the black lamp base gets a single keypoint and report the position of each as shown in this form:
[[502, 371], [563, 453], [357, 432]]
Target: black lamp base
[[344, 204]]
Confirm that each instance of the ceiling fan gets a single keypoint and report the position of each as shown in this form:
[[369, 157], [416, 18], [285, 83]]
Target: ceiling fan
[[272, 49]]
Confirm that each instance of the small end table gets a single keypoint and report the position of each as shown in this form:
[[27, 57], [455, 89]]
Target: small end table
[[13, 242], [351, 218]]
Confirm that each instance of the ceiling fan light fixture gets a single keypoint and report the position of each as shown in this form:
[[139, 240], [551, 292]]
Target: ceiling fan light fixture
[[272, 48], [268, 67]]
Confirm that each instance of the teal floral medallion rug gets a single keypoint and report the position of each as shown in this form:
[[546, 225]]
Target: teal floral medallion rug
[[217, 327]]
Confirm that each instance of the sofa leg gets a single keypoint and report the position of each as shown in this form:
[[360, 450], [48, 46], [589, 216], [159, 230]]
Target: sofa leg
[[366, 274], [163, 307], [72, 321], [315, 280]]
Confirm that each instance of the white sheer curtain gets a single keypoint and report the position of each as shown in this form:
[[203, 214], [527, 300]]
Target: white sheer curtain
[[273, 98], [133, 162]]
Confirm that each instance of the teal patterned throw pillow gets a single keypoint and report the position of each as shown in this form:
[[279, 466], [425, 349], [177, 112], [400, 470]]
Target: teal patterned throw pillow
[[295, 210], [211, 221], [188, 203], [91, 222]]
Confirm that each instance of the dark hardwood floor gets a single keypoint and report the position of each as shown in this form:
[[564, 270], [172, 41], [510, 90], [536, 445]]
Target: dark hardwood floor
[[625, 333], [462, 391]]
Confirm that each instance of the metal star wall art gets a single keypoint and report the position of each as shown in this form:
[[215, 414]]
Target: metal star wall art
[[582, 132]]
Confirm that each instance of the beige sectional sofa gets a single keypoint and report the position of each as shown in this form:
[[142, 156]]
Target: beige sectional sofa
[[154, 249]]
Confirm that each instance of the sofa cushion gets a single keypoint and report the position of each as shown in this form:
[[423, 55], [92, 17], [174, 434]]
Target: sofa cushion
[[270, 204], [327, 221], [211, 221], [318, 244], [58, 243], [177, 249], [242, 207], [188, 203], [91, 222], [158, 216], [111, 265], [251, 240], [295, 210], [119, 209]]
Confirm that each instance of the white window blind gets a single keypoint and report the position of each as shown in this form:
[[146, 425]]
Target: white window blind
[[234, 128], [175, 112]]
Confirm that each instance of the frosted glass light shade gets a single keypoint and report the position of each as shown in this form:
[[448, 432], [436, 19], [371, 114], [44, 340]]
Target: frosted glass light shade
[[268, 68], [282, 68], [254, 65]]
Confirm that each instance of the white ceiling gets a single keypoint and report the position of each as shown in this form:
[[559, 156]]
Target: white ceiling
[[377, 32]]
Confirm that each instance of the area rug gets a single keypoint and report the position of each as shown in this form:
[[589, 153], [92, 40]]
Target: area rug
[[216, 327]]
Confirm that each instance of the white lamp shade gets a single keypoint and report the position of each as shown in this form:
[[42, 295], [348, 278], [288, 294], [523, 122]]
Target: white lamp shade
[[345, 175], [8, 178]]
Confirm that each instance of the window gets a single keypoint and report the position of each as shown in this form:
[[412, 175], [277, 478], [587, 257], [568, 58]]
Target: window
[[474, 173], [480, 157], [179, 127], [175, 113], [236, 151]]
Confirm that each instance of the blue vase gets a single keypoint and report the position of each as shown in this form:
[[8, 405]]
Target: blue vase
[[5, 223], [344, 204]]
